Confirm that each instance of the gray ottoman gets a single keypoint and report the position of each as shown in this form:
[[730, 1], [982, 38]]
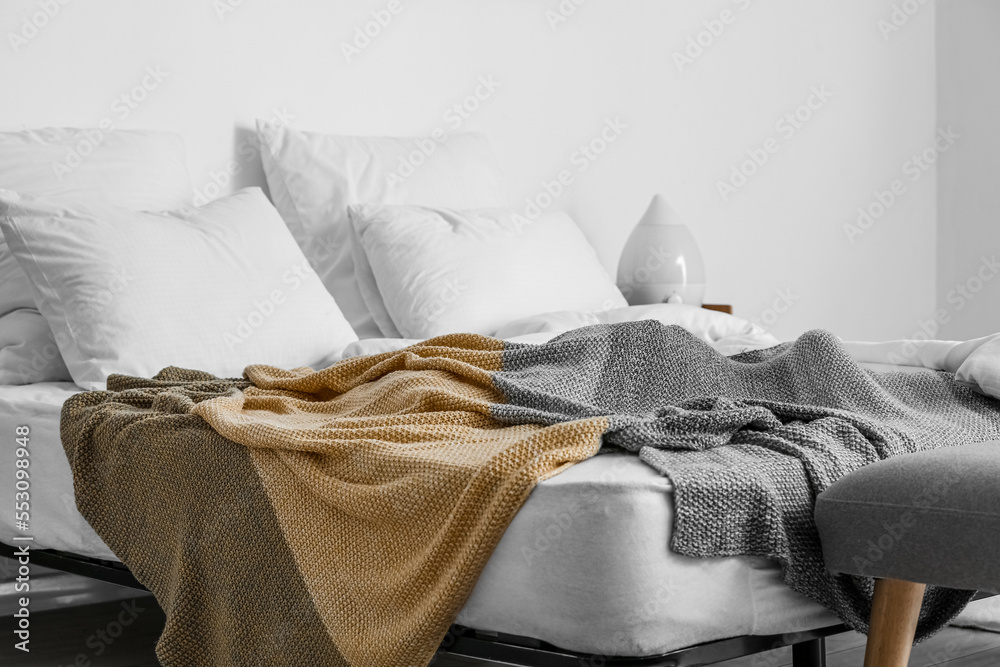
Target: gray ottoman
[[925, 518]]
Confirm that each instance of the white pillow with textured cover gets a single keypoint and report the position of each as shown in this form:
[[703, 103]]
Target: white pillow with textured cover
[[442, 271], [136, 169], [214, 288], [314, 177]]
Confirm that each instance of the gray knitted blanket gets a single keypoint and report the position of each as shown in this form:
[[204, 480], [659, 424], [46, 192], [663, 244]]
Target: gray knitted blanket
[[749, 441]]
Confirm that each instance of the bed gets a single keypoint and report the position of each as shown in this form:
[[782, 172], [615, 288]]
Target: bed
[[342, 254], [568, 581]]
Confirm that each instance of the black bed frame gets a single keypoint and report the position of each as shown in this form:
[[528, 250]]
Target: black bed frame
[[808, 648]]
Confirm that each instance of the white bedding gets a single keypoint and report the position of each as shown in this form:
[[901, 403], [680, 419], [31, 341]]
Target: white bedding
[[573, 567], [975, 362], [55, 523]]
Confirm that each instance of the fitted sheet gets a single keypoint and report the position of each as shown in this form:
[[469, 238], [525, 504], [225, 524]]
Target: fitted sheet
[[585, 564], [55, 523]]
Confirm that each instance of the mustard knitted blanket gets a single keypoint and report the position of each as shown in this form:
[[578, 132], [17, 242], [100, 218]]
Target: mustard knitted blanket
[[342, 516]]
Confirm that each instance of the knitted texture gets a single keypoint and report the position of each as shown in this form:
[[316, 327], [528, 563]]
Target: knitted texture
[[749, 441], [341, 517], [349, 525]]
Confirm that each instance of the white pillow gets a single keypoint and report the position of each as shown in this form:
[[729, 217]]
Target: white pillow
[[28, 350], [314, 177], [15, 290], [137, 169], [143, 170], [214, 288], [443, 271]]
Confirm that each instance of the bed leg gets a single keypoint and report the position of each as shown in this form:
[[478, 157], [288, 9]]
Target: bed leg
[[811, 653]]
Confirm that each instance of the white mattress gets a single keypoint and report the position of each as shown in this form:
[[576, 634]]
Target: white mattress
[[585, 565], [55, 523]]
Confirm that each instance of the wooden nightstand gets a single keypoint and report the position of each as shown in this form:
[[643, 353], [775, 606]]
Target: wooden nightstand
[[722, 308]]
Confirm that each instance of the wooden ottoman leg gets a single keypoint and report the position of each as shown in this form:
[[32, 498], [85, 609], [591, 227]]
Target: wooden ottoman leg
[[895, 609]]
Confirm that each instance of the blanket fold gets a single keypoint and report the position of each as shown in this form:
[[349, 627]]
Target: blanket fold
[[342, 516]]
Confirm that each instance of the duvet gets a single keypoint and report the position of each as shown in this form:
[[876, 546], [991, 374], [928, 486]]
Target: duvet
[[342, 516]]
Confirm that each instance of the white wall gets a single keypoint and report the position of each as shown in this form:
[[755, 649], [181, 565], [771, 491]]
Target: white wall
[[781, 232], [968, 201]]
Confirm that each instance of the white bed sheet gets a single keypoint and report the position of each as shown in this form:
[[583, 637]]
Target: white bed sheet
[[55, 523], [585, 565]]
